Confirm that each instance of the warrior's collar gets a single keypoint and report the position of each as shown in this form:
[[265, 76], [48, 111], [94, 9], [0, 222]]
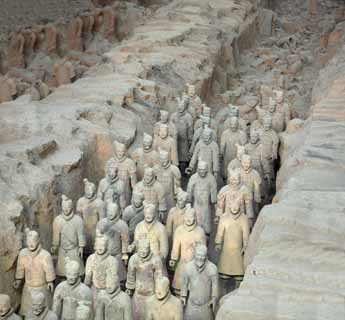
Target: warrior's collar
[[235, 216], [36, 252], [147, 258], [69, 217], [190, 228]]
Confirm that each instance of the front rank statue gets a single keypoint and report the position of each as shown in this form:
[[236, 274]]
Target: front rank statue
[[35, 268], [40, 309], [70, 293], [116, 231], [127, 170], [112, 185], [91, 209], [146, 156], [6, 311], [231, 240], [199, 290], [207, 150], [202, 193], [143, 268], [164, 305], [68, 237], [97, 265], [186, 237], [153, 191], [113, 304], [169, 177]]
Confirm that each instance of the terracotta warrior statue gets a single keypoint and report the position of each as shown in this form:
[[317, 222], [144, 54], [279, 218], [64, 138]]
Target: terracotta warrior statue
[[116, 230], [164, 305], [169, 176], [127, 170], [199, 290], [207, 150], [252, 180], [202, 194], [111, 186], [278, 117], [97, 265], [167, 143], [154, 231], [36, 270], [235, 191], [231, 240], [143, 268], [91, 209], [64, 72], [206, 113], [176, 214], [146, 156], [229, 139], [186, 237], [236, 162], [197, 136], [184, 125], [68, 237], [134, 213], [113, 304], [15, 50], [270, 143], [74, 34], [40, 309], [164, 119], [6, 311], [232, 112], [70, 293], [194, 102], [153, 192], [282, 106]]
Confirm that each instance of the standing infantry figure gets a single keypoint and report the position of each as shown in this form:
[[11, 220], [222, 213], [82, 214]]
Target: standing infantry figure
[[164, 119], [70, 293], [282, 106], [91, 210], [113, 304], [165, 142], [270, 142], [184, 125], [143, 268], [232, 111], [252, 180], [206, 113], [278, 117], [176, 214], [231, 240], [207, 150], [127, 170], [164, 305], [111, 185], [202, 193], [153, 191], [199, 290], [6, 311], [186, 237], [194, 102], [40, 309], [68, 237], [236, 162], [134, 213], [206, 122], [145, 156], [235, 191], [228, 141], [35, 268], [97, 265], [169, 176], [116, 230], [154, 231]]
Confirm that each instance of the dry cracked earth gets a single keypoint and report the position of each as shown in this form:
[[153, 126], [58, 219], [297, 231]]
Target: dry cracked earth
[[232, 51]]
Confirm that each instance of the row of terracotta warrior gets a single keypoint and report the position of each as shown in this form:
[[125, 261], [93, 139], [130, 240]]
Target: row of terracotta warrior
[[43, 57], [157, 217]]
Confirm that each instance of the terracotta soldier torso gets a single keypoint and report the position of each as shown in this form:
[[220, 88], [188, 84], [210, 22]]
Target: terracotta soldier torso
[[74, 34], [15, 51], [145, 158], [109, 187], [164, 142]]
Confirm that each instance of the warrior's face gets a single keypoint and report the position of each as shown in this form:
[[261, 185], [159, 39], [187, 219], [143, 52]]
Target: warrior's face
[[181, 200], [246, 164], [67, 207], [137, 200], [148, 176], [235, 207], [191, 91], [161, 289], [207, 135], [164, 117], [120, 151], [144, 249], [113, 211], [147, 143], [200, 257], [163, 132], [164, 160], [33, 241], [234, 179], [272, 105], [189, 218], [202, 170], [149, 214], [181, 108], [89, 190], [72, 277], [5, 305], [38, 305], [254, 137], [233, 124], [101, 246], [267, 124], [279, 96]]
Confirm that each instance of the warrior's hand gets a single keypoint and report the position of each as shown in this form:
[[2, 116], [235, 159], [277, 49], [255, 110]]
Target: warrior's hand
[[129, 292], [172, 263], [218, 247], [216, 220], [212, 304], [51, 287], [81, 252], [53, 250], [189, 171], [17, 284], [125, 258], [183, 300]]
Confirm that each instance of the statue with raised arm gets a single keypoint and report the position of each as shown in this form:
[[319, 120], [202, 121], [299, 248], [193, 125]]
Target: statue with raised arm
[[143, 268], [91, 209], [231, 241], [199, 292], [186, 237], [163, 305], [116, 230], [35, 269], [70, 293], [202, 194], [68, 237]]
